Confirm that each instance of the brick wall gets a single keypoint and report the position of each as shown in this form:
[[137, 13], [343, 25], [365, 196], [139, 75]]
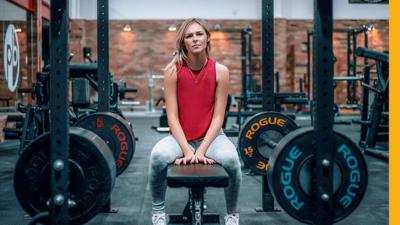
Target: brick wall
[[377, 39], [147, 49], [135, 55]]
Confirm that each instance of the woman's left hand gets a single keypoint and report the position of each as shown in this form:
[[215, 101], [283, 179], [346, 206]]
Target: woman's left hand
[[200, 158]]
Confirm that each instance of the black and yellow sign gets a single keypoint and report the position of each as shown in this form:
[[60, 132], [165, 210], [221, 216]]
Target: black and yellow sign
[[258, 137]]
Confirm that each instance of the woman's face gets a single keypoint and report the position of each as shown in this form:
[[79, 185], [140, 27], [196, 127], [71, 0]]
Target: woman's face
[[195, 39]]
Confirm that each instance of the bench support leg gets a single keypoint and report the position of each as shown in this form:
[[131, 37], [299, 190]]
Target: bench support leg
[[197, 205], [193, 212]]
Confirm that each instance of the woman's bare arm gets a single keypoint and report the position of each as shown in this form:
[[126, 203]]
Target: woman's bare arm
[[170, 81]]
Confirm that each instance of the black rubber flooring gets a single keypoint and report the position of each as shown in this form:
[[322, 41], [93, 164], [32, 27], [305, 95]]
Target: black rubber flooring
[[131, 195]]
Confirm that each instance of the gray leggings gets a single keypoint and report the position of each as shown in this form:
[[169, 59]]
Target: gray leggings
[[221, 150]]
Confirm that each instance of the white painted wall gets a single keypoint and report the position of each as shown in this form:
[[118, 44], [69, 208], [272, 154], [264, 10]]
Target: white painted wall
[[221, 9], [344, 10], [74, 9], [303, 9], [174, 9]]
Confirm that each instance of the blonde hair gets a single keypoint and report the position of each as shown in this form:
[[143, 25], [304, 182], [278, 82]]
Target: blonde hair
[[180, 55]]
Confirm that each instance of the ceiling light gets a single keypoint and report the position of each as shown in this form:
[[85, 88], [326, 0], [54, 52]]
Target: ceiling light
[[172, 28], [369, 27], [127, 28]]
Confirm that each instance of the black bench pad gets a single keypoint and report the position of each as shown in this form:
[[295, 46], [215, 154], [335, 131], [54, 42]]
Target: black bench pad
[[197, 176]]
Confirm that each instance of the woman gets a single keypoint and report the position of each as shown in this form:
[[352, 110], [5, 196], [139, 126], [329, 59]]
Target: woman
[[196, 91]]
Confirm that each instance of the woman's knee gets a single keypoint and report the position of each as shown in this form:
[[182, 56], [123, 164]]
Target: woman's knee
[[164, 150], [231, 161], [159, 153], [158, 157]]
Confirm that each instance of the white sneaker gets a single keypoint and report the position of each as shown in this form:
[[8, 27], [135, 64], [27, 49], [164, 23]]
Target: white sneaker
[[232, 219], [159, 219]]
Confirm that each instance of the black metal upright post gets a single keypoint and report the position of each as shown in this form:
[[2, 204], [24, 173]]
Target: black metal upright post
[[277, 85], [244, 70], [250, 75], [103, 73], [267, 83], [349, 65], [354, 73], [309, 79], [268, 55], [323, 113], [309, 35], [58, 106], [365, 95], [349, 52], [104, 89], [364, 105]]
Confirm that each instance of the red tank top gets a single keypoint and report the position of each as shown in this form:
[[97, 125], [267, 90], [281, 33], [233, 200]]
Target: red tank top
[[196, 97]]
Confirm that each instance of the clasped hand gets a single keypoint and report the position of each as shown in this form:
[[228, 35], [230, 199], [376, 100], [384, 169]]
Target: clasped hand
[[192, 158]]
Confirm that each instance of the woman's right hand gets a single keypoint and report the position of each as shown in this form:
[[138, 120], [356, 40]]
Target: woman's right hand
[[186, 159]]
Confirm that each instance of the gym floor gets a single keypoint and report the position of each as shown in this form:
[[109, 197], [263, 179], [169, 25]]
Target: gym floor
[[132, 198]]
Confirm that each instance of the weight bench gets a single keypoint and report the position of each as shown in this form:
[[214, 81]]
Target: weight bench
[[195, 177]]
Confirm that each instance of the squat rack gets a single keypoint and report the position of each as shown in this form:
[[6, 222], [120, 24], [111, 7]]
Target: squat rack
[[322, 174], [58, 99], [322, 187], [322, 92], [58, 106]]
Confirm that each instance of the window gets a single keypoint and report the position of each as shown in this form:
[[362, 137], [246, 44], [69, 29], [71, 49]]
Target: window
[[16, 52]]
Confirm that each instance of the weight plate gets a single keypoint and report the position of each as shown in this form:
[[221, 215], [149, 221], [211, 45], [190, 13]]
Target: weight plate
[[116, 132], [290, 176], [255, 135], [92, 175]]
